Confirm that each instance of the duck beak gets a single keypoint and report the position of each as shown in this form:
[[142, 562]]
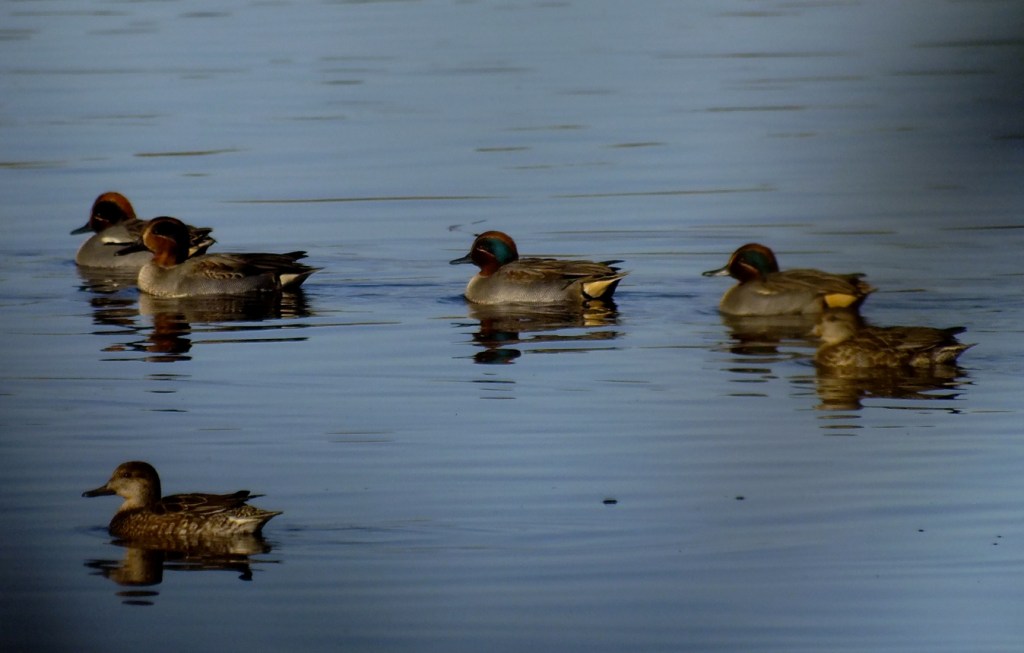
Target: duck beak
[[130, 249], [468, 258], [98, 492], [720, 272], [82, 230]]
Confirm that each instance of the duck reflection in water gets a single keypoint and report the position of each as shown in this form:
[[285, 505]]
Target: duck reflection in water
[[856, 360], [503, 329], [176, 321], [761, 335], [114, 315], [144, 562], [106, 281]]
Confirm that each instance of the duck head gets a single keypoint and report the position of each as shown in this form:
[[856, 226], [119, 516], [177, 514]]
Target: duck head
[[752, 261], [490, 251], [166, 237], [137, 482], [108, 209], [834, 327]]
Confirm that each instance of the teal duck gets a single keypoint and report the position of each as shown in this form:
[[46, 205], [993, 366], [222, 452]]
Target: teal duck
[[504, 278], [173, 273], [765, 290], [113, 223], [144, 514], [845, 343]]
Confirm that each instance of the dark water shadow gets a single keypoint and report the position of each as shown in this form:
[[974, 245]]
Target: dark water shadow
[[114, 314], [106, 281], [145, 561], [504, 332], [762, 335], [846, 389], [254, 307], [175, 322], [246, 318]]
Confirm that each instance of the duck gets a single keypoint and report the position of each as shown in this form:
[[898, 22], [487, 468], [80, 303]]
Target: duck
[[764, 290], [504, 278], [173, 273], [847, 343], [144, 514], [113, 222]]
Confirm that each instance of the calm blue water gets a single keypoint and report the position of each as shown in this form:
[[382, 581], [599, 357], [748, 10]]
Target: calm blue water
[[455, 479]]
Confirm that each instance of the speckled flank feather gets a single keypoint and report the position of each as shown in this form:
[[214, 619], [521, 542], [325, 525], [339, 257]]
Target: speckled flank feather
[[765, 290], [112, 222], [847, 344], [145, 515], [504, 278]]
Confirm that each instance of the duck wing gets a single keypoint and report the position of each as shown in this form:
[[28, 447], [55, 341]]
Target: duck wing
[[534, 270], [239, 266], [913, 338], [204, 504]]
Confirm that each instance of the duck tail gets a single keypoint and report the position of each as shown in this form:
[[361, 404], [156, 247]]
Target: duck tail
[[603, 288], [292, 280], [948, 354]]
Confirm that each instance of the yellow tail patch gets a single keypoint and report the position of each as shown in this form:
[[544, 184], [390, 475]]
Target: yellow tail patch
[[839, 300]]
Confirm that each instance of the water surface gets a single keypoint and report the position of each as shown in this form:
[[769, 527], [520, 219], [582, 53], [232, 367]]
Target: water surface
[[651, 477]]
